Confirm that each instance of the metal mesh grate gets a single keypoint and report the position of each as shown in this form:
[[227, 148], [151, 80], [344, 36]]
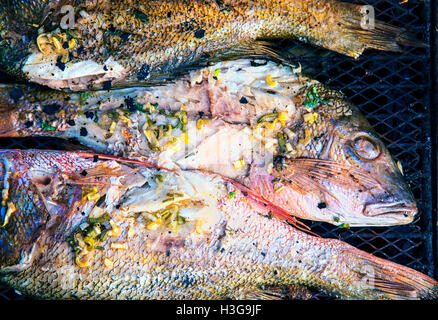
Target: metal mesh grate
[[394, 91]]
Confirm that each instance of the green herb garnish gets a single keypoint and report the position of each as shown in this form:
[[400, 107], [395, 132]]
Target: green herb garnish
[[83, 96], [267, 116], [46, 127]]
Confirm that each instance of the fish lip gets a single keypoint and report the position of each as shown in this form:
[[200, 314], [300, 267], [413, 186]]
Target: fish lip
[[407, 209]]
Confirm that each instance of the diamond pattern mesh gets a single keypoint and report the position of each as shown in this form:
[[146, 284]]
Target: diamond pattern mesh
[[393, 90]]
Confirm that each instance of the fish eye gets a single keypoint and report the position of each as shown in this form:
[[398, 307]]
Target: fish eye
[[366, 147]]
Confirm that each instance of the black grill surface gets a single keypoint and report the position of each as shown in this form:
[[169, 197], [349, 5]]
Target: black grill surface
[[397, 92]]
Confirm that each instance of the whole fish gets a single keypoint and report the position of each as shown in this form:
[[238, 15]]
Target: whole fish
[[87, 226], [287, 139], [84, 44]]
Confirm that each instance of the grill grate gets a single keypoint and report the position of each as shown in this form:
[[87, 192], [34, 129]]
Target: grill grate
[[395, 91]]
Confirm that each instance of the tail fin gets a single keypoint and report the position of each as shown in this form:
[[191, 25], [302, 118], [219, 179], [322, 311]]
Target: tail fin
[[386, 37], [355, 30], [383, 279]]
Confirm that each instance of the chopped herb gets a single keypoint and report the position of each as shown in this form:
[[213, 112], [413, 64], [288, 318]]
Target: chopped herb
[[150, 121], [267, 116], [189, 155], [313, 99], [102, 219], [344, 226], [231, 194], [113, 115], [47, 127], [83, 96], [159, 178], [336, 219], [276, 180], [103, 235], [281, 143], [216, 73], [175, 195]]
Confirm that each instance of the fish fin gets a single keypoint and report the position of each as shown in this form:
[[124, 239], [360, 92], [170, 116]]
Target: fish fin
[[387, 279], [386, 37], [276, 210], [259, 294], [382, 36], [144, 161], [251, 49], [315, 170]]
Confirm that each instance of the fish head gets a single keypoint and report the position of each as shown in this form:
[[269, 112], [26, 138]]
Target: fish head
[[344, 174], [378, 192]]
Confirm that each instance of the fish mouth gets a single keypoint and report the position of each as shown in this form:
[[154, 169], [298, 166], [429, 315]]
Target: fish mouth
[[403, 209]]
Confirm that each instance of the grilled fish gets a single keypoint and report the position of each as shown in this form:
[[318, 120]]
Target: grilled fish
[[88, 226], [84, 44], [285, 138]]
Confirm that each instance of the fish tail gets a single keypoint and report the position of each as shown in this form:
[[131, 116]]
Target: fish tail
[[377, 278], [362, 31], [386, 37]]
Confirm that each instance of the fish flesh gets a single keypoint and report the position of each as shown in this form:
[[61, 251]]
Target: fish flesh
[[89, 226], [80, 45], [287, 139]]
